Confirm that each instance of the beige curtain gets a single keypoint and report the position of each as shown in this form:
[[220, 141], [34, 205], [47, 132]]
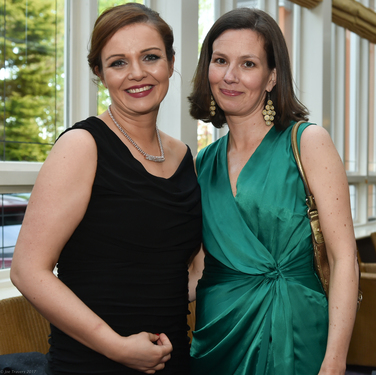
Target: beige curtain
[[355, 17], [349, 14]]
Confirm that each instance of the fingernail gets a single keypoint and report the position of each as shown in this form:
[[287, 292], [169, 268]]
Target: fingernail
[[157, 334]]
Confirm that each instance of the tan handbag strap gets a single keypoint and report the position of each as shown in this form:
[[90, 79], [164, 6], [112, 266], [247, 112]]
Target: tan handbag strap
[[310, 201]]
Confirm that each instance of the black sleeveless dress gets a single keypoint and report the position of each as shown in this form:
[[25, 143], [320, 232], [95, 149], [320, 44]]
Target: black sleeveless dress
[[127, 259]]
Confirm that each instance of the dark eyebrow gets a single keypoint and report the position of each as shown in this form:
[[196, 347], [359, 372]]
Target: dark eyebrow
[[110, 57], [151, 48], [143, 51], [220, 54]]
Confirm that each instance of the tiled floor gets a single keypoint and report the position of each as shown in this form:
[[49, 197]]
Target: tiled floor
[[360, 370]]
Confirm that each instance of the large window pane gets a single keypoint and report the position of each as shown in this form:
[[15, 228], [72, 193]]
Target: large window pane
[[31, 78], [12, 210]]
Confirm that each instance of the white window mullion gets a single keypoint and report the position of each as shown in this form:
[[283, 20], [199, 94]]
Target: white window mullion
[[18, 177], [81, 91], [314, 60], [353, 135], [363, 104], [338, 88], [296, 42]]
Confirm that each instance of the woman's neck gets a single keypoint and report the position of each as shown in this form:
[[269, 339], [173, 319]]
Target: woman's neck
[[246, 134]]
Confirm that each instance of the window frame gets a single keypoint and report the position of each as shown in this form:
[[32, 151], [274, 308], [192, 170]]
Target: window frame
[[361, 177]]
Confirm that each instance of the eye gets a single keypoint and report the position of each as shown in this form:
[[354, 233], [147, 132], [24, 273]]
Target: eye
[[151, 57], [117, 63], [249, 64], [220, 61]]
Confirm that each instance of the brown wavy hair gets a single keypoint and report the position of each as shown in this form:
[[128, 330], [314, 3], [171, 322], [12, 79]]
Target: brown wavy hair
[[287, 106], [115, 18]]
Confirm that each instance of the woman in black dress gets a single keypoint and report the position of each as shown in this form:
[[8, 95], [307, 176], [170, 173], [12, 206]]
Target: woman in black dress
[[117, 207]]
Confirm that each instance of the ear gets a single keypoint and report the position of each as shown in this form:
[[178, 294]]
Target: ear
[[272, 80], [100, 76], [171, 66]]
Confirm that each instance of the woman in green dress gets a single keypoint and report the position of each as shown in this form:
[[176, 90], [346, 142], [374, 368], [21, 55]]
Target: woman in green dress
[[260, 306]]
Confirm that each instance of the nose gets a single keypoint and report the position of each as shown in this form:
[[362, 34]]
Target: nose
[[231, 75], [136, 72]]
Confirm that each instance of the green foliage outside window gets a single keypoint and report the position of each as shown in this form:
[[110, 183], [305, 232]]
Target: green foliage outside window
[[31, 76]]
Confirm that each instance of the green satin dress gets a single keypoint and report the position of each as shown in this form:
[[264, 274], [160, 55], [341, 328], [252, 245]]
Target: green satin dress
[[261, 309]]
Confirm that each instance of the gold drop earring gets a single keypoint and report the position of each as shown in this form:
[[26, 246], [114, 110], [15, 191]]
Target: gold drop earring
[[212, 106], [269, 112]]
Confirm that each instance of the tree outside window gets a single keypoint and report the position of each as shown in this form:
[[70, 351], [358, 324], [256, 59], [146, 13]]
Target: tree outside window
[[32, 78]]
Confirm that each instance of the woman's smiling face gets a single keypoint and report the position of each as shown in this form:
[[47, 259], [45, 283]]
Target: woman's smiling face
[[239, 75], [136, 71]]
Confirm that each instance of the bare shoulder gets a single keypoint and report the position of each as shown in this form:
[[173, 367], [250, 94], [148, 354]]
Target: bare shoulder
[[315, 135], [77, 138], [316, 145], [72, 162], [72, 147]]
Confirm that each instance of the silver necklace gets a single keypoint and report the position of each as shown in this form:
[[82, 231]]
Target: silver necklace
[[157, 159]]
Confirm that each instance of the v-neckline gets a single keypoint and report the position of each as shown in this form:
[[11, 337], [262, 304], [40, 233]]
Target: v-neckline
[[267, 135]]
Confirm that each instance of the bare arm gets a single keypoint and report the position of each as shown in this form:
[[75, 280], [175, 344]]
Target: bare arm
[[328, 182], [57, 205]]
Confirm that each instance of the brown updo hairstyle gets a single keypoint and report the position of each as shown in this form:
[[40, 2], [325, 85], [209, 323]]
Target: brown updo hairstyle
[[286, 104], [115, 18]]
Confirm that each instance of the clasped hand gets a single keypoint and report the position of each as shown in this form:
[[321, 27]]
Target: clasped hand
[[145, 352]]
